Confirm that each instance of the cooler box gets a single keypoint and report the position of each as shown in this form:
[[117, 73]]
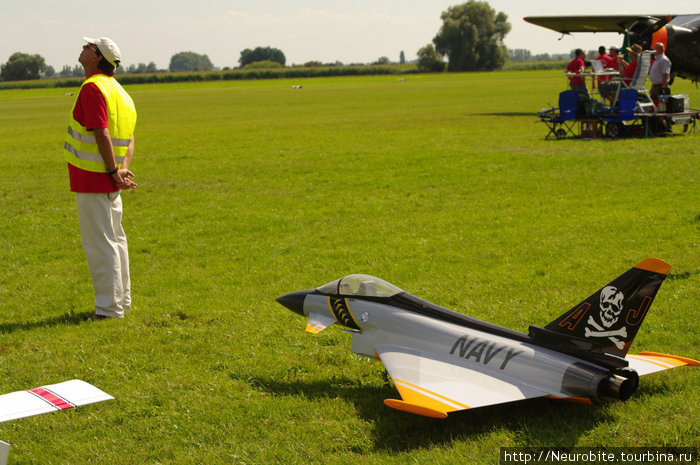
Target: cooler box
[[678, 103]]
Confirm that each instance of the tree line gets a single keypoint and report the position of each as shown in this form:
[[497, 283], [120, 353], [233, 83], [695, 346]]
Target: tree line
[[471, 38]]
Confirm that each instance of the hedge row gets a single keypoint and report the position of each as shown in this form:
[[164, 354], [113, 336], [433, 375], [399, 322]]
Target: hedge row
[[252, 74], [534, 65], [230, 75]]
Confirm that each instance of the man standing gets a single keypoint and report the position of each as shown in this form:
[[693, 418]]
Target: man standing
[[606, 86], [659, 72], [614, 60], [99, 148], [577, 66]]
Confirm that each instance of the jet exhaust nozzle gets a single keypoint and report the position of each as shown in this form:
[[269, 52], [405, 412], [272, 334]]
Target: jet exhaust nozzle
[[582, 380], [295, 300], [620, 385]]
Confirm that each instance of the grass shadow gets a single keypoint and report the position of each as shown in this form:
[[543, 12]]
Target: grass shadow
[[534, 422], [67, 319], [509, 113]]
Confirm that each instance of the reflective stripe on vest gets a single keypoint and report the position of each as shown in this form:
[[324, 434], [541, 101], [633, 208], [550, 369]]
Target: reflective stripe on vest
[[81, 145]]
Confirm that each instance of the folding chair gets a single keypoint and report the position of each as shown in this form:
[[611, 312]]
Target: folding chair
[[562, 123], [622, 111], [644, 104]]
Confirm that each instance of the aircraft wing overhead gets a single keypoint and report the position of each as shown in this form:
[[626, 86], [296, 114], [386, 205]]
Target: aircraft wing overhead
[[51, 398], [568, 24], [433, 387]]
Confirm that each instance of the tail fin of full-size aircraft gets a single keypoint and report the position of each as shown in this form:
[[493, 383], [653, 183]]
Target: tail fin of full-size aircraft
[[607, 321]]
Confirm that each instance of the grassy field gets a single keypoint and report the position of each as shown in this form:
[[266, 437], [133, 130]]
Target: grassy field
[[441, 184]]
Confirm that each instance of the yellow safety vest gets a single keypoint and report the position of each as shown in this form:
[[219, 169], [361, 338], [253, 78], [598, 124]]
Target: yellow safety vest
[[81, 145]]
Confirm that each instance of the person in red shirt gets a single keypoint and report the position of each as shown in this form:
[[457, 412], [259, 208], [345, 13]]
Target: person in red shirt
[[98, 168], [577, 66], [606, 86], [605, 61], [628, 73], [613, 58]]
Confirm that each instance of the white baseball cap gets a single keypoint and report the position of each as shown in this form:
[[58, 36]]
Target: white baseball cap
[[107, 48]]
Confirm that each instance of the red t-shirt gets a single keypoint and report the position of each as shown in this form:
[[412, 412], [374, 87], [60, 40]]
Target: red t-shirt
[[607, 63], [91, 112], [575, 66], [628, 73]]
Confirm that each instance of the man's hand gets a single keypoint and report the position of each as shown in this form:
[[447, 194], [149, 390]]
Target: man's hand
[[122, 179]]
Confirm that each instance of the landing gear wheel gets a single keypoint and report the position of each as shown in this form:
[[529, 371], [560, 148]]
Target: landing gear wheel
[[560, 133]]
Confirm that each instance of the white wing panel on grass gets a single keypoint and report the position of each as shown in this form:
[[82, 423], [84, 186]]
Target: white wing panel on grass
[[49, 398]]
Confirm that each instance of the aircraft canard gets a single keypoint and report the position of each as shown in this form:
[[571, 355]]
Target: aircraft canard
[[442, 361], [46, 399]]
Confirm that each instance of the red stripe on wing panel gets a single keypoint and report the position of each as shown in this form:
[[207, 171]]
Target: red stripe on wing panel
[[59, 402]]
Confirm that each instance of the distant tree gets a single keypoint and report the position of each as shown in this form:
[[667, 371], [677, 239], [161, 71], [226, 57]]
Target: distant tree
[[429, 60], [519, 54], [190, 61], [402, 58], [50, 72], [66, 71], [382, 61], [151, 67], [261, 54], [472, 37], [313, 64], [22, 67]]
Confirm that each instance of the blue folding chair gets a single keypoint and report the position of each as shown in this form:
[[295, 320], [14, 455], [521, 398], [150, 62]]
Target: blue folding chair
[[561, 121], [622, 111]]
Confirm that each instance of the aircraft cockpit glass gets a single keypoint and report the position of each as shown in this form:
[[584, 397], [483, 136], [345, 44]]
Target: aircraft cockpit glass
[[360, 285]]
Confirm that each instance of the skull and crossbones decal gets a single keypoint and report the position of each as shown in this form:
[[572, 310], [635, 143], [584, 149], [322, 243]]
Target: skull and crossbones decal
[[611, 300]]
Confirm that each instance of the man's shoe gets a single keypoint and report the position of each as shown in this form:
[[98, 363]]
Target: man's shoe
[[95, 318]]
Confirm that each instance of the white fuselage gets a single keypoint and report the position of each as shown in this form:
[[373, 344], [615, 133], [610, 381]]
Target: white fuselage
[[535, 367]]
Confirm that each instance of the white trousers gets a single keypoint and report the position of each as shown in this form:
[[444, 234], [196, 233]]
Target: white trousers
[[104, 243]]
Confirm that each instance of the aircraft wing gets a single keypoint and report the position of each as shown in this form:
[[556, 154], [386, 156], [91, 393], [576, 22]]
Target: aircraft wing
[[432, 387], [603, 23], [651, 362], [45, 399]]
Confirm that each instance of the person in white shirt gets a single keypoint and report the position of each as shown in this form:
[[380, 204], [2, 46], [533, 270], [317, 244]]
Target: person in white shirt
[[660, 72]]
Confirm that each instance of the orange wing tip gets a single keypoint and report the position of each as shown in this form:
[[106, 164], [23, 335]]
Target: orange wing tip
[[655, 265], [672, 359], [414, 408]]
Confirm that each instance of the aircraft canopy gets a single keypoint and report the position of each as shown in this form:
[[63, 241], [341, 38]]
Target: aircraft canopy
[[360, 285]]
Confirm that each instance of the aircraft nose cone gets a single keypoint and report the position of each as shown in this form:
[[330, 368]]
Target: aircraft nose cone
[[295, 300]]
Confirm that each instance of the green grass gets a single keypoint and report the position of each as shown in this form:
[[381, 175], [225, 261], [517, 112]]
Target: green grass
[[442, 184]]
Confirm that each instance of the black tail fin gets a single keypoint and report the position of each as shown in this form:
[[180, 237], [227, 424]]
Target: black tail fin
[[608, 320]]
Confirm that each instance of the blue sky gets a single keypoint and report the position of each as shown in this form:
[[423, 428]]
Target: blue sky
[[350, 31]]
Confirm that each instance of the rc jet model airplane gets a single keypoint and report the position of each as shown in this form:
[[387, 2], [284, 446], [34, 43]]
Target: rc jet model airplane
[[45, 399], [442, 361], [679, 33]]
